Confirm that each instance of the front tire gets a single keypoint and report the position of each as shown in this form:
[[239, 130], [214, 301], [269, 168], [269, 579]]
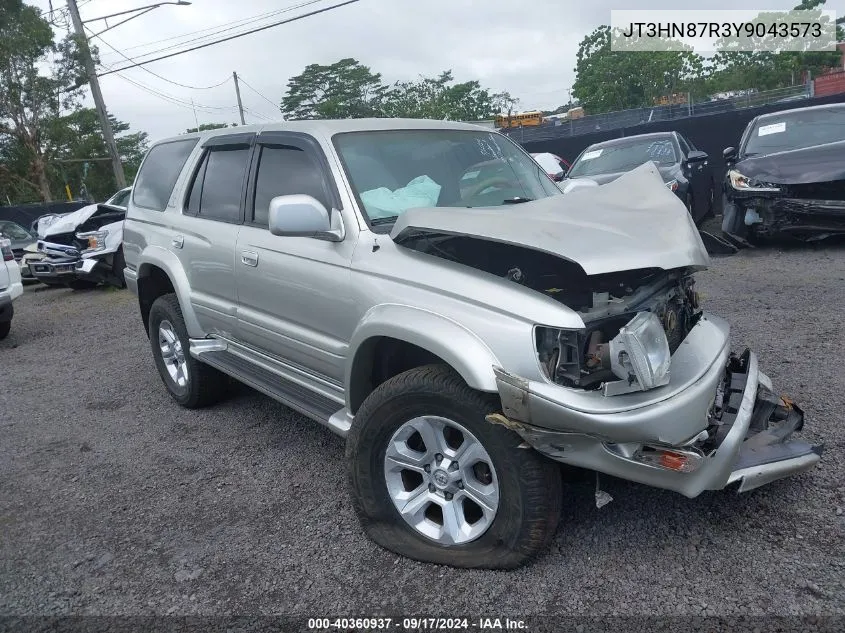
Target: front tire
[[191, 383], [5, 328], [434, 481]]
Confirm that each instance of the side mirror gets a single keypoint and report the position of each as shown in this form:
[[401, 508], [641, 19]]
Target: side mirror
[[696, 157], [729, 153], [303, 216]]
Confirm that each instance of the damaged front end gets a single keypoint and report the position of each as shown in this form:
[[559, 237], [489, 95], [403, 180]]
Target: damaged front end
[[81, 248], [808, 211]]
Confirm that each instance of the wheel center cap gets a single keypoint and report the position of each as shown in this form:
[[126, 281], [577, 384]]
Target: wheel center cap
[[441, 479]]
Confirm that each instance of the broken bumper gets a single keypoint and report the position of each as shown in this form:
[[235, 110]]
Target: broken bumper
[[749, 445], [794, 216], [54, 269]]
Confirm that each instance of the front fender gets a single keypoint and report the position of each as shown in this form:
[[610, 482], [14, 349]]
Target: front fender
[[459, 347], [155, 256]]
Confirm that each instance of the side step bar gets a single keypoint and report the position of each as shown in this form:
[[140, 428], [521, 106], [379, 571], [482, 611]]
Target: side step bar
[[318, 407]]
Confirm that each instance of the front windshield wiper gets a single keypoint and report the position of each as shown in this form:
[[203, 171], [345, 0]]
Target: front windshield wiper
[[517, 200], [388, 220]]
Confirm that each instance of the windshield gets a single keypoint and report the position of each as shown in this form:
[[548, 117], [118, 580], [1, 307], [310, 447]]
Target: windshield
[[397, 170], [796, 130], [14, 231], [624, 157]]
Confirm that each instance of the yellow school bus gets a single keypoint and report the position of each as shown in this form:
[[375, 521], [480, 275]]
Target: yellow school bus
[[517, 120]]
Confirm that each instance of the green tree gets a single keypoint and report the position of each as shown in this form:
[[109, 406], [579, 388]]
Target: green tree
[[438, 98], [28, 96], [74, 137], [209, 126], [767, 70], [343, 90], [618, 80]]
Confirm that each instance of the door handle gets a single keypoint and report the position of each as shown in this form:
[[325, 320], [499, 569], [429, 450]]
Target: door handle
[[249, 258], [178, 241]]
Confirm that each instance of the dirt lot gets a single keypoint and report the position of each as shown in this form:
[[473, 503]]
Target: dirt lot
[[113, 500]]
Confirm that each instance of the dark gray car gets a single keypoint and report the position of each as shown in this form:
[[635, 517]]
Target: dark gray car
[[685, 170], [20, 239]]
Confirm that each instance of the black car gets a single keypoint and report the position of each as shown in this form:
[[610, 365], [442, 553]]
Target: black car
[[20, 238], [684, 169], [787, 176]]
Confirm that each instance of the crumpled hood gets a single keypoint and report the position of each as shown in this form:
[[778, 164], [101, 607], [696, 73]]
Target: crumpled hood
[[65, 223], [633, 222], [820, 163], [668, 172]]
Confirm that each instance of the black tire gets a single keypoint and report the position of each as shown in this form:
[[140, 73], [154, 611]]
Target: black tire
[[5, 328], [118, 264], [81, 284], [530, 485], [205, 385]]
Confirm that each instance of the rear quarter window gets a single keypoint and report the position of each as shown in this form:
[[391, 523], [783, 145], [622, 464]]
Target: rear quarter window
[[159, 173]]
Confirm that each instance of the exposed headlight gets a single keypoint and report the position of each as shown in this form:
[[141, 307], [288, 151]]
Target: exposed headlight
[[639, 355], [672, 185], [744, 183], [96, 241]]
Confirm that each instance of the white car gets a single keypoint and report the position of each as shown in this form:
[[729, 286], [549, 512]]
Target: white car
[[10, 286]]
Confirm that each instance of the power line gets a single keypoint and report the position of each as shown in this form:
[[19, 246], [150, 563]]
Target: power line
[[147, 70], [217, 30], [175, 100], [232, 37], [243, 81]]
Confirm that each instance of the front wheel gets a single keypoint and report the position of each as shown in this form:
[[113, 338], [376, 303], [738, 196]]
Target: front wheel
[[5, 328], [434, 481]]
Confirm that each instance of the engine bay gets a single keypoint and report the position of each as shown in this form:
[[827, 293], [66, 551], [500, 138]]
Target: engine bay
[[606, 302]]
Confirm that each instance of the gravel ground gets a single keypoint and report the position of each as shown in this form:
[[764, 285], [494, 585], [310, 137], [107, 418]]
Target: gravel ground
[[113, 500]]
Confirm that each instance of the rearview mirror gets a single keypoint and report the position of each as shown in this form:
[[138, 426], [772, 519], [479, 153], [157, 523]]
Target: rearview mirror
[[729, 153], [696, 157], [303, 216]]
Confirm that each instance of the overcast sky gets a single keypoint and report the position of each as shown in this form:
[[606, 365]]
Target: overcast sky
[[526, 47]]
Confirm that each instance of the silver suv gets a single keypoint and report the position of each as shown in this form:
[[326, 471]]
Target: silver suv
[[424, 289]]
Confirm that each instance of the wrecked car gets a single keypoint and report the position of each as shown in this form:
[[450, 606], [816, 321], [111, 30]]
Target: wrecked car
[[684, 169], [425, 290], [787, 177], [83, 248]]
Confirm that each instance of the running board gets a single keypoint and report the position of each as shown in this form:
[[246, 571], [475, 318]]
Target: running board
[[318, 407]]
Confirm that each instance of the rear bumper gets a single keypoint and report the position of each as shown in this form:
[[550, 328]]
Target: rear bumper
[[742, 432]]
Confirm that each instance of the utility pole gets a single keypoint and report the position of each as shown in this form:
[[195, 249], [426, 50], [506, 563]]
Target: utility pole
[[108, 135], [238, 92]]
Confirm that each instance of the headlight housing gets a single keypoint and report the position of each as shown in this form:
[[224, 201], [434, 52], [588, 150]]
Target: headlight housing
[[639, 355], [672, 185], [744, 183], [96, 241]]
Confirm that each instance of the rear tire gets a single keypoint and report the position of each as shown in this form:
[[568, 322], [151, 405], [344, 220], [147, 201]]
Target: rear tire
[[191, 383], [5, 328], [528, 488]]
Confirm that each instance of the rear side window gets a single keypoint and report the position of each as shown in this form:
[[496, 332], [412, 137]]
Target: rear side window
[[285, 170], [218, 185], [159, 172]]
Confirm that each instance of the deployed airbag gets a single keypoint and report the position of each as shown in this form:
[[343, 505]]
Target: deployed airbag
[[422, 191]]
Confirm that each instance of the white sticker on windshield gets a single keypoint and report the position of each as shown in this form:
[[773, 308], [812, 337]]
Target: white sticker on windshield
[[591, 155], [774, 128]]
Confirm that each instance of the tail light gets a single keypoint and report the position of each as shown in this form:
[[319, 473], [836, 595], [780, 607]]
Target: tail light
[[6, 249]]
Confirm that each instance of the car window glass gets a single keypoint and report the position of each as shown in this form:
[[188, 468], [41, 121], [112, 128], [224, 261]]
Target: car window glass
[[159, 173], [685, 148], [284, 170], [120, 199], [222, 185], [621, 157], [14, 231]]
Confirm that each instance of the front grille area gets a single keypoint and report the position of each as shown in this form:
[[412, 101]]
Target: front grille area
[[832, 190]]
